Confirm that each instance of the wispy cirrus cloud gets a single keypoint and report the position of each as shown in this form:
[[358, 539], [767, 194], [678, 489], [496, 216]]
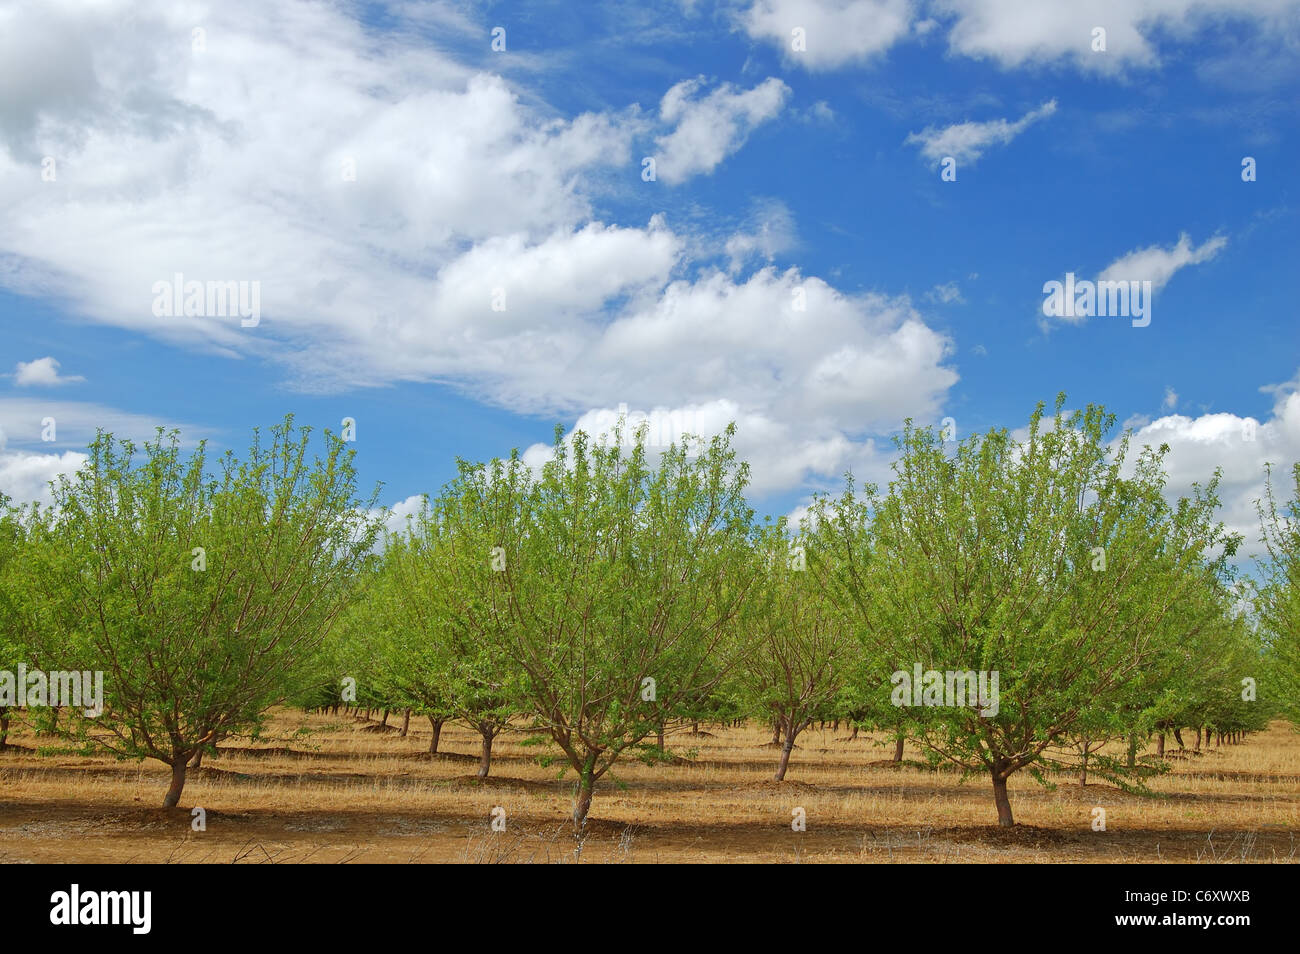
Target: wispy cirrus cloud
[[1157, 264], [967, 141]]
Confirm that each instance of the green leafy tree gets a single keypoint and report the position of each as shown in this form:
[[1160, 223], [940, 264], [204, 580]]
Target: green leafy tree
[[200, 596], [1037, 560], [443, 630], [619, 586], [13, 641], [841, 548], [1278, 600], [388, 647], [799, 646]]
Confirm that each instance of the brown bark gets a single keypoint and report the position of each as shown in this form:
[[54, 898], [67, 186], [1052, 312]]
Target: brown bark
[[898, 747], [437, 734], [406, 722], [4, 729], [582, 800], [488, 731], [1160, 746], [660, 739], [1178, 737], [785, 756], [1000, 799], [178, 783], [581, 807], [1198, 739]]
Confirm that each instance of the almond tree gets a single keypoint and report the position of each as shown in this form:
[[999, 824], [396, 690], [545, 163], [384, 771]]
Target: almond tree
[[198, 595], [384, 647], [1278, 600], [840, 547], [441, 640], [1204, 644], [609, 585], [799, 647], [13, 648], [1042, 560]]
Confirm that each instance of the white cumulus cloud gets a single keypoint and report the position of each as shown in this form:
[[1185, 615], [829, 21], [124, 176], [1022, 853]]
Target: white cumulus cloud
[[42, 372], [1016, 33], [835, 33], [711, 127]]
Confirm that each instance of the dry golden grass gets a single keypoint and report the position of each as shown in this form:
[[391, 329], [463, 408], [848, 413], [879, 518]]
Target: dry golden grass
[[342, 791]]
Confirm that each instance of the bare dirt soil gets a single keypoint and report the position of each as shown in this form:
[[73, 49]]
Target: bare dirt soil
[[331, 788]]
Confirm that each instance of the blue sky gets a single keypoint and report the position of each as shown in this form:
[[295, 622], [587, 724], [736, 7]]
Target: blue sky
[[133, 148]]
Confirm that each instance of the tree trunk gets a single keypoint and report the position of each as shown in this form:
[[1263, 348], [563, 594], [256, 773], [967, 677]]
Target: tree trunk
[[1132, 749], [487, 730], [178, 783], [406, 722], [1160, 746], [660, 740], [197, 761], [1000, 799], [582, 802], [785, 756], [437, 734], [385, 721], [854, 736], [776, 732], [4, 729], [1083, 769], [898, 747], [1198, 739], [1178, 737]]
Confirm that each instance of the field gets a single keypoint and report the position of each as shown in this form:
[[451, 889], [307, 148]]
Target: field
[[331, 788]]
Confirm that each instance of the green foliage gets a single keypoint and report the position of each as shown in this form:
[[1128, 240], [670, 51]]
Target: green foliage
[[1044, 560], [202, 597], [615, 572], [614, 596], [799, 651], [1278, 598]]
